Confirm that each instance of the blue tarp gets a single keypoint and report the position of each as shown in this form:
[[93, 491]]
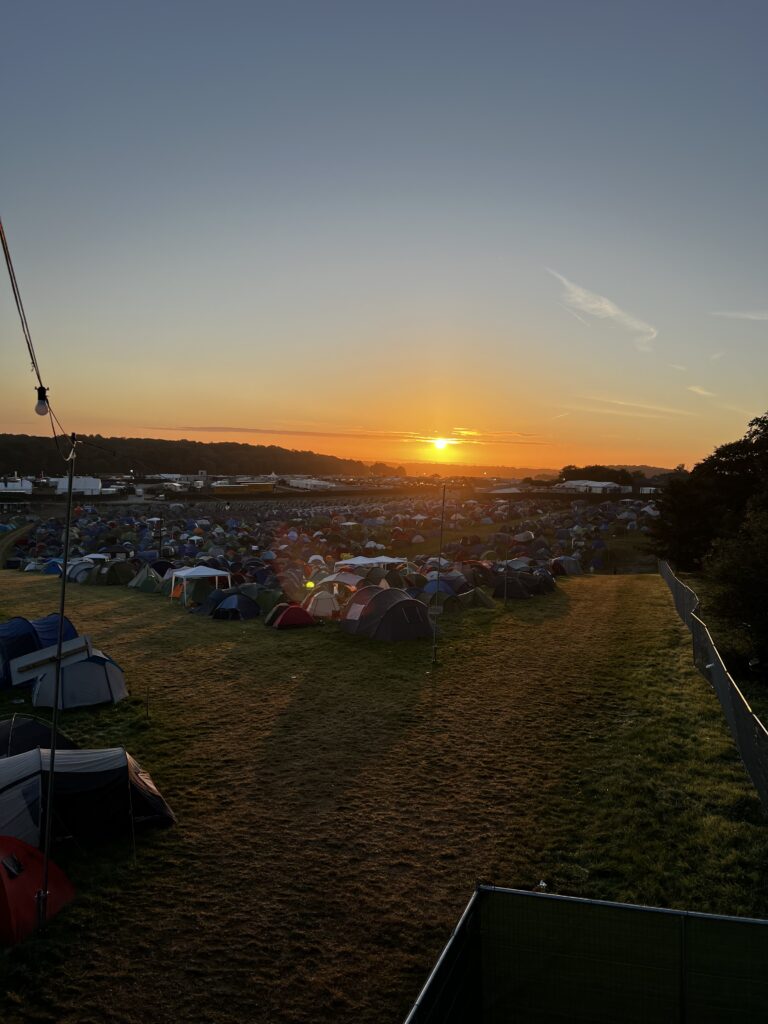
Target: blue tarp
[[19, 636], [443, 585]]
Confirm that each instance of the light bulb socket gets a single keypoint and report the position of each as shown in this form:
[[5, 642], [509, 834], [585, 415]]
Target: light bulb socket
[[41, 408]]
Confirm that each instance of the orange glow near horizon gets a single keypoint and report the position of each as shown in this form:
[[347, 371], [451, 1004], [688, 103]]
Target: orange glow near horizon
[[539, 437]]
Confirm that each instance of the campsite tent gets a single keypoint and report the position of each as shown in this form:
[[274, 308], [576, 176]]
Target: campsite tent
[[442, 585], [448, 604], [475, 598], [508, 585], [146, 580], [321, 605], [566, 565], [22, 732], [360, 598], [97, 793], [193, 592], [21, 877], [79, 570], [211, 602], [111, 574], [387, 615], [350, 581], [361, 561], [93, 680], [21, 636], [274, 613], [237, 607], [292, 617]]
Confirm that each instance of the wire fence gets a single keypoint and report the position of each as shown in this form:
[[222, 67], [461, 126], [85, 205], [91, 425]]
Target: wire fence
[[749, 733]]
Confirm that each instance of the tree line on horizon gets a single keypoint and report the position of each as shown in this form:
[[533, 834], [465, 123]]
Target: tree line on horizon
[[110, 456]]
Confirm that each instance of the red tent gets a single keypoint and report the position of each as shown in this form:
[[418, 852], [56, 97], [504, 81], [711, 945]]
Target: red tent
[[293, 617], [21, 876]]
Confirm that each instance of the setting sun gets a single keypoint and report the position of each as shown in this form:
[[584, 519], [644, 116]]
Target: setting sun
[[440, 442]]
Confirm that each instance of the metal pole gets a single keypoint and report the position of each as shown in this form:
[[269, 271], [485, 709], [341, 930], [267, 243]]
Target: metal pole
[[42, 895], [439, 566], [506, 567]]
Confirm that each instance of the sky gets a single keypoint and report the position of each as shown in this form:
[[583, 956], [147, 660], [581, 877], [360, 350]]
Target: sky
[[534, 232]]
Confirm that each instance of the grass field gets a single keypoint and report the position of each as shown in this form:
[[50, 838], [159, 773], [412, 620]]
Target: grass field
[[338, 800]]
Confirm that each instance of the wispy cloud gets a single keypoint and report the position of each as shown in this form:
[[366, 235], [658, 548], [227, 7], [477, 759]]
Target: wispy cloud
[[701, 391], [580, 300], [677, 366], [747, 314], [458, 435], [643, 407], [634, 414], [716, 355], [574, 313], [561, 416]]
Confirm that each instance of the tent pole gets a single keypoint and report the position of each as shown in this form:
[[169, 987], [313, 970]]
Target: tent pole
[[437, 592], [42, 894], [130, 806]]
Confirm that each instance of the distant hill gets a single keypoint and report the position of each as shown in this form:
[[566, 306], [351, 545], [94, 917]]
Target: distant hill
[[26, 454]]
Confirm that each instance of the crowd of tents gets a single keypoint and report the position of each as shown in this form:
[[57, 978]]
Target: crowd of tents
[[361, 565], [293, 567]]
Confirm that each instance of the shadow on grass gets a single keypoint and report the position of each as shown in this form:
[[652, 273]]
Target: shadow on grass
[[335, 723]]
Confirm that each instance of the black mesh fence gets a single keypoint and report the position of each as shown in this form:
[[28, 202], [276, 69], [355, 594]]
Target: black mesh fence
[[530, 958], [747, 730]]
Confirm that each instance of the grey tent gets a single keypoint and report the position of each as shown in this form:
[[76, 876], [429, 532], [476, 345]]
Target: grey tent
[[79, 570], [94, 680], [97, 793], [387, 615]]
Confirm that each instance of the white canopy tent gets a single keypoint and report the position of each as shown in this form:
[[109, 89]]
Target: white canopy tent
[[198, 572]]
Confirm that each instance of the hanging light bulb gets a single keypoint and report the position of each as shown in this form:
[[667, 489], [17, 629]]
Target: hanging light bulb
[[41, 408]]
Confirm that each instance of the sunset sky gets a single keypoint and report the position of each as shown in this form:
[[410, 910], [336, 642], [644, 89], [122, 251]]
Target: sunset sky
[[536, 230]]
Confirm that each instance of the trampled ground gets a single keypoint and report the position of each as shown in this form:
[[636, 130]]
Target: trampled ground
[[338, 800]]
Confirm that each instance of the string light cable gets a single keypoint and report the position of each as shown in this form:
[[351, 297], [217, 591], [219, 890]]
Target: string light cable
[[43, 405], [43, 408]]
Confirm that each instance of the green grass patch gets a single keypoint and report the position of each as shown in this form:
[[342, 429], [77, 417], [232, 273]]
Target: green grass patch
[[338, 799]]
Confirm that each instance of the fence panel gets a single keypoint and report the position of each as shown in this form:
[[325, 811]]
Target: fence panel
[[748, 732], [532, 957]]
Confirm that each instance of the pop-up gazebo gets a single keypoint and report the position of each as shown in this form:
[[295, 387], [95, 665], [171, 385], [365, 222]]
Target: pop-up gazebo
[[198, 572]]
